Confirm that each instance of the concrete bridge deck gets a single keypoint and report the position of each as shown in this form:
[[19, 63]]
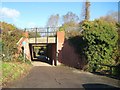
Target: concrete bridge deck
[[43, 40]]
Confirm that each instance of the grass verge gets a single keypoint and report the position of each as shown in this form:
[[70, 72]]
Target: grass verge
[[12, 71]]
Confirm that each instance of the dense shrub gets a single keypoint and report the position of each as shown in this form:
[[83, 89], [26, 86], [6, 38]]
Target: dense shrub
[[116, 70], [101, 38], [10, 36]]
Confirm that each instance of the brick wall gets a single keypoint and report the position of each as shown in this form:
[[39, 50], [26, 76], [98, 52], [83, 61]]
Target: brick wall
[[67, 54], [26, 46], [60, 42]]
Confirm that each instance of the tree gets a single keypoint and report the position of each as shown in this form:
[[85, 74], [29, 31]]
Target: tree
[[70, 24], [101, 38], [34, 34], [111, 17], [10, 36], [86, 11], [53, 21], [70, 18], [118, 59]]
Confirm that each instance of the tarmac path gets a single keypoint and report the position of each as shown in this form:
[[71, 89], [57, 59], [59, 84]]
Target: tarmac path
[[42, 76]]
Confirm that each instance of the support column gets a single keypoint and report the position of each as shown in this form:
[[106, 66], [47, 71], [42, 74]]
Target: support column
[[60, 42], [27, 49]]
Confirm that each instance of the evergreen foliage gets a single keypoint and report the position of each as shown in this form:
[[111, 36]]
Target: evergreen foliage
[[10, 36], [101, 47]]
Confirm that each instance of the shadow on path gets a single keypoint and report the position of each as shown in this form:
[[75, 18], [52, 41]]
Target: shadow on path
[[98, 86], [107, 75]]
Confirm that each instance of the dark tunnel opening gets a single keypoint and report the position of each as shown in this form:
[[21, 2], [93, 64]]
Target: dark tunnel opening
[[43, 52]]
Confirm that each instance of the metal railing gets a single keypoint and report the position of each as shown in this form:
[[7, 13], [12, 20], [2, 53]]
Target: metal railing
[[42, 32]]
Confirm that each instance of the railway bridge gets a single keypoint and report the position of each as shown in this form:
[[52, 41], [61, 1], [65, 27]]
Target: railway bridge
[[44, 44]]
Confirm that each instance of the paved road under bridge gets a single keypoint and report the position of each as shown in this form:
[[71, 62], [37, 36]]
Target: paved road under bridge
[[64, 77]]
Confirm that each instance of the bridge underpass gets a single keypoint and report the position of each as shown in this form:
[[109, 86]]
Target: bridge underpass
[[47, 49], [43, 48]]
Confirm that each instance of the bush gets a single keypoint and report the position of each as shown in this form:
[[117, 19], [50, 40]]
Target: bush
[[22, 60], [10, 36], [101, 43], [116, 70]]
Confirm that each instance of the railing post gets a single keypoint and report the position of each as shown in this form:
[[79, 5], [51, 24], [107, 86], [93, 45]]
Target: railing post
[[47, 34], [47, 40], [36, 36]]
